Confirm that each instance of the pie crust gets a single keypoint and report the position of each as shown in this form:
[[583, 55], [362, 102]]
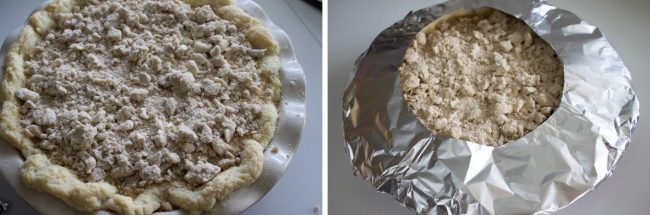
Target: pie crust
[[38, 172]]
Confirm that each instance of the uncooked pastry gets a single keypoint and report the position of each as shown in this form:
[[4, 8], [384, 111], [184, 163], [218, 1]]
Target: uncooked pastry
[[139, 106], [481, 76]]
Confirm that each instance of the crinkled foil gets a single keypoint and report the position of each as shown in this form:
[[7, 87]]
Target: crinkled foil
[[547, 169]]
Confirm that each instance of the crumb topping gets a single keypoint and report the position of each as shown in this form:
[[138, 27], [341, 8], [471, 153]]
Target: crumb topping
[[488, 79], [137, 93]]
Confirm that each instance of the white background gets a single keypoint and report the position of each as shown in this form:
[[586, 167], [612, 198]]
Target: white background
[[299, 190], [353, 24]]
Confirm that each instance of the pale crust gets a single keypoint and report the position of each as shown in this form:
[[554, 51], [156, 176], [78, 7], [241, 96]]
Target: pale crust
[[41, 174]]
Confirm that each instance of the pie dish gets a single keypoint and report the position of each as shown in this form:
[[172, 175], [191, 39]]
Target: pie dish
[[144, 189]]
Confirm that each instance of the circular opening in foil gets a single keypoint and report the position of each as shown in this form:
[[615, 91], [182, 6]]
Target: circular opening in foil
[[482, 76]]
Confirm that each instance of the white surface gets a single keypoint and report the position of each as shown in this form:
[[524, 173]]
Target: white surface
[[299, 190], [352, 27]]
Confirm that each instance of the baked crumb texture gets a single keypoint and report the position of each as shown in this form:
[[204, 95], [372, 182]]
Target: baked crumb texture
[[139, 106], [481, 76]]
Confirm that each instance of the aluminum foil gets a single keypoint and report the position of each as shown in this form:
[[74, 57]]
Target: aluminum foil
[[286, 138], [547, 169]]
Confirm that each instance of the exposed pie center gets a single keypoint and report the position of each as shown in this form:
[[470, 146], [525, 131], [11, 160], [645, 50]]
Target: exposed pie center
[[484, 77]]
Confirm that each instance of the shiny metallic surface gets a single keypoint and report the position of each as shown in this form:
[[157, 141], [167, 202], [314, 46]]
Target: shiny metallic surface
[[547, 169], [286, 139]]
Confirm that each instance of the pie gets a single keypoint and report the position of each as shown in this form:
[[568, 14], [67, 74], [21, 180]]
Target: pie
[[141, 106], [481, 75]]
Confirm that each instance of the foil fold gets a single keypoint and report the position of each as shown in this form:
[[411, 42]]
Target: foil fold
[[547, 169]]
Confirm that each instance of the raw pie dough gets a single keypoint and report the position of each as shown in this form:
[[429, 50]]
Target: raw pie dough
[[481, 76], [139, 106]]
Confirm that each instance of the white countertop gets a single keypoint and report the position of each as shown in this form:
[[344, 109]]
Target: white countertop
[[353, 24], [299, 190]]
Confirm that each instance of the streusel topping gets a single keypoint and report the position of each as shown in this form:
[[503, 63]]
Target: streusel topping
[[488, 79], [143, 92]]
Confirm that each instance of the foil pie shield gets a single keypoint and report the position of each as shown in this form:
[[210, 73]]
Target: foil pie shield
[[286, 139], [547, 169]]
